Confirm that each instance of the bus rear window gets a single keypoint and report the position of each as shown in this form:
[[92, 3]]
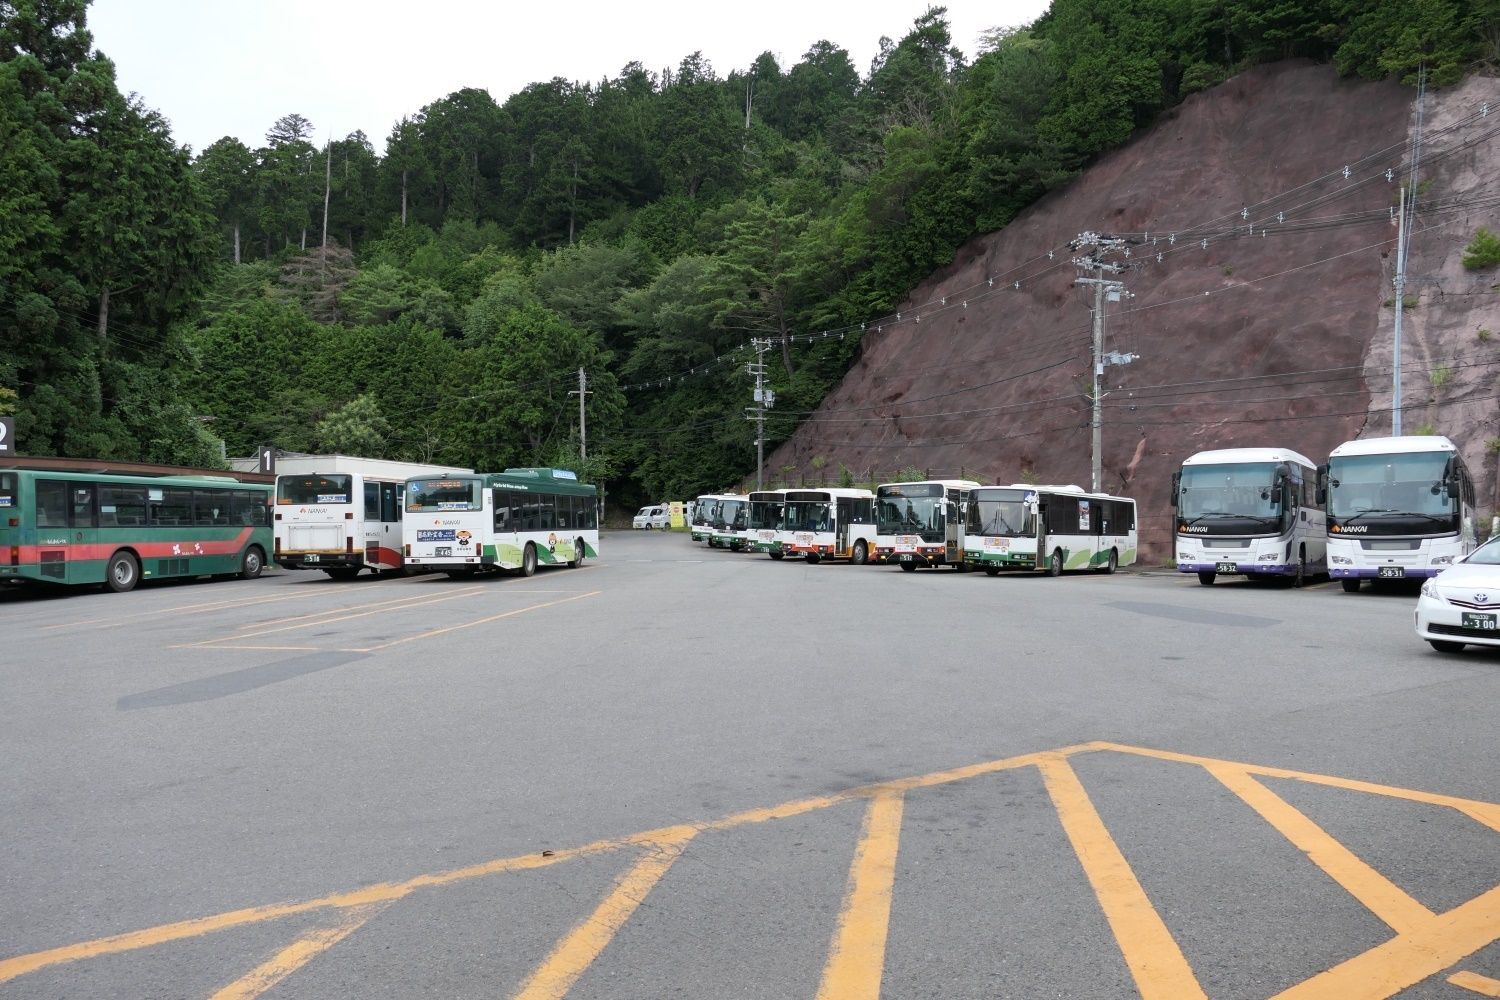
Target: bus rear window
[[7, 489], [314, 489], [443, 494]]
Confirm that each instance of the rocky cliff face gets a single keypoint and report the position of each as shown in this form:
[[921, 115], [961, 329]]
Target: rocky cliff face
[[1261, 250]]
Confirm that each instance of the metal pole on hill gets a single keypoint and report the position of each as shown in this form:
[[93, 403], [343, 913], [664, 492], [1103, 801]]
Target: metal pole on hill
[[582, 392], [1403, 230], [1104, 290], [764, 400]]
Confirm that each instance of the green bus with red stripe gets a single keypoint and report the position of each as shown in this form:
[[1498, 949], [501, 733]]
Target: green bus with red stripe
[[80, 528]]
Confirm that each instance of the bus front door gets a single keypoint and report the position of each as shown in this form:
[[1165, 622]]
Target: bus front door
[[85, 565]]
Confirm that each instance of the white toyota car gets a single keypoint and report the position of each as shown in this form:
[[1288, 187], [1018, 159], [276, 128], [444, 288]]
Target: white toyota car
[[1461, 605]]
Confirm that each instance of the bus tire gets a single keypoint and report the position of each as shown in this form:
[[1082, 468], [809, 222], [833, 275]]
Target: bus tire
[[122, 573], [1206, 577], [776, 554], [909, 566], [1055, 564], [1351, 584], [577, 559], [1446, 647], [860, 554], [528, 560], [1114, 562], [253, 562], [812, 558], [992, 571]]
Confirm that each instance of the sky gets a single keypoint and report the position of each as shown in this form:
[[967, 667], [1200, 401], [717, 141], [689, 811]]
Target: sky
[[232, 67]]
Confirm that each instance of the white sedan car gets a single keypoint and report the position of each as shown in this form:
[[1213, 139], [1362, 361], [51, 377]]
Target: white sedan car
[[1461, 605]]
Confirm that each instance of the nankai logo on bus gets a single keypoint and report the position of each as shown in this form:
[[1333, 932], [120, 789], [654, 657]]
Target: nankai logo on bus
[[1188, 529], [1349, 529]]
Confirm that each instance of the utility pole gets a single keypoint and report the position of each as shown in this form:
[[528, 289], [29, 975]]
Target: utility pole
[[764, 400], [582, 392], [1104, 289], [1403, 231]]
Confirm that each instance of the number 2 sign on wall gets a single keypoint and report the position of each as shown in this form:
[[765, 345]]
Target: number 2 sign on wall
[[7, 437]]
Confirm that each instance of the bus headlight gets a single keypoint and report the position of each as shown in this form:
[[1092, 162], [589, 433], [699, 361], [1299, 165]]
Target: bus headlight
[[1269, 557], [1341, 560], [1442, 560]]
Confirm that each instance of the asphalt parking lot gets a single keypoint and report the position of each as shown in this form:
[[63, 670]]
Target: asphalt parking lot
[[695, 773]]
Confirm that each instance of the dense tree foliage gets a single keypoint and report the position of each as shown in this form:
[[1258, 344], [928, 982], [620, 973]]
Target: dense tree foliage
[[644, 228]]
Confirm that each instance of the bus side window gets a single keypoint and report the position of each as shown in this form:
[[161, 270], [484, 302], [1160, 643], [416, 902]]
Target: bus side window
[[390, 503], [372, 501], [83, 506], [51, 504]]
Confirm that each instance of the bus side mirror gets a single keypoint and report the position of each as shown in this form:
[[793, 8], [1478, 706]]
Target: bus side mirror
[[1322, 492], [1176, 485]]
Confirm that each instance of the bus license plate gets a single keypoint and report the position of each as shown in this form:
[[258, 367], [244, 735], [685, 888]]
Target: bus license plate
[[906, 557], [1485, 623], [310, 559], [1392, 572], [1227, 568], [444, 550]]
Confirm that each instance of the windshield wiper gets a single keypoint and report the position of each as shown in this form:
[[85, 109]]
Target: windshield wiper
[[1440, 518], [1210, 513]]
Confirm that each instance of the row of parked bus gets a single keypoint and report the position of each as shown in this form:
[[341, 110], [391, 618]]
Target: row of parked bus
[[937, 522], [1386, 508], [337, 514]]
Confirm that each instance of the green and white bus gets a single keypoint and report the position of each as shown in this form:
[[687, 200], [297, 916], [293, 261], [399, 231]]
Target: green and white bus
[[766, 510], [728, 520], [502, 521], [1051, 528], [920, 524], [93, 528], [700, 524]]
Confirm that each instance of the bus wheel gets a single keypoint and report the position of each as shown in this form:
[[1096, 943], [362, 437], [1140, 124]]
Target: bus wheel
[[528, 560], [1206, 578], [861, 553], [1114, 562], [812, 558], [252, 564], [909, 567], [992, 571], [776, 554], [1055, 564], [577, 559], [122, 573], [1351, 584]]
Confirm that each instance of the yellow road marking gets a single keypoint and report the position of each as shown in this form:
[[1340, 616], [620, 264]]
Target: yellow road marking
[[1156, 962], [385, 606], [478, 621], [1483, 985], [293, 957], [227, 604], [366, 606], [1408, 958], [264, 649], [856, 959], [578, 950], [1378, 894]]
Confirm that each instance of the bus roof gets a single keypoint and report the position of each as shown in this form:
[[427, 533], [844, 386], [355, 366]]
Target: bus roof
[[542, 480], [1404, 445], [224, 479], [380, 468], [768, 494], [982, 492], [1233, 456], [952, 484], [829, 494]]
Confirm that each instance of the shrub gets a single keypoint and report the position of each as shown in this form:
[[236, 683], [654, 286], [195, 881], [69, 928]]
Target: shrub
[[1483, 250], [1440, 376]]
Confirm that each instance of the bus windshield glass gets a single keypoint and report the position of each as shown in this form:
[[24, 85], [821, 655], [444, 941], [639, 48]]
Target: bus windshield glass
[[1389, 484], [731, 514], [7, 490], [900, 515], [1234, 490], [765, 514], [443, 494], [1001, 513], [314, 489], [808, 515]]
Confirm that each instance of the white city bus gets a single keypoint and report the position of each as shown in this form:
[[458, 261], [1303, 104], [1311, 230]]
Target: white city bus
[[920, 524], [1397, 507], [342, 514], [1250, 511], [766, 510], [513, 520], [1051, 528], [833, 523], [727, 521], [700, 525]]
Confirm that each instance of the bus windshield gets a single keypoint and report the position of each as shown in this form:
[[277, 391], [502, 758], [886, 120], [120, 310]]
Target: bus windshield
[[1001, 514], [1236, 490], [910, 516], [443, 494], [731, 514], [314, 489], [1389, 484], [765, 513], [808, 515]]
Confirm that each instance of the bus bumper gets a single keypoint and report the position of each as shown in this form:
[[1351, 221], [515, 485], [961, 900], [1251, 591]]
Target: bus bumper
[[1384, 572], [320, 560], [1227, 568]]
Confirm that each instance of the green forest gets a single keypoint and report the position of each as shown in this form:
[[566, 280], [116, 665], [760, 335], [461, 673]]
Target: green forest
[[432, 294]]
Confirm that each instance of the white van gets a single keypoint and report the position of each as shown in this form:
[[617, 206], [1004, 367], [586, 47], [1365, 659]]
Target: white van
[[657, 516]]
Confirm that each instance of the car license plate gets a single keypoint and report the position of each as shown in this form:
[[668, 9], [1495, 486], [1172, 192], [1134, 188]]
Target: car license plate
[[1392, 572], [311, 559], [1227, 567], [1485, 623], [444, 550]]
